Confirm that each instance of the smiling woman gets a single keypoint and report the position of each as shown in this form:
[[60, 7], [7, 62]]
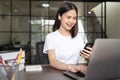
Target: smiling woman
[[63, 45]]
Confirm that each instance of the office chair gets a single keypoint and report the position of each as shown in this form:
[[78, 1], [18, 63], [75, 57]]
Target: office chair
[[41, 58]]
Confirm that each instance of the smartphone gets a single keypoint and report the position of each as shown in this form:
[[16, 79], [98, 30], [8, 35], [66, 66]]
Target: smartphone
[[88, 45]]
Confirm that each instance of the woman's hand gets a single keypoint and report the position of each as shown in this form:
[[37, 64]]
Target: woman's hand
[[86, 53], [72, 68], [82, 68], [76, 68]]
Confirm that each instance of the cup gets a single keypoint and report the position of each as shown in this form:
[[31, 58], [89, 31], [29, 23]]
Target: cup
[[9, 72]]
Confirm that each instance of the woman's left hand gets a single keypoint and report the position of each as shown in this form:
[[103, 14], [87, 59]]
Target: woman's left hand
[[86, 53]]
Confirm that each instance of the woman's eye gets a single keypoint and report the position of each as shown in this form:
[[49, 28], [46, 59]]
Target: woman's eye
[[74, 18], [69, 17]]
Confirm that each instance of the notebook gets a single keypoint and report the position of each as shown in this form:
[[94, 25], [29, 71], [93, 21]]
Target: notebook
[[105, 61], [33, 68]]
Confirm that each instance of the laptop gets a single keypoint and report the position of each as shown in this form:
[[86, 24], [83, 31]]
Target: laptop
[[104, 63]]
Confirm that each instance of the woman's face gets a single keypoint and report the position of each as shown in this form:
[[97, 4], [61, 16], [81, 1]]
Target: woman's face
[[68, 19]]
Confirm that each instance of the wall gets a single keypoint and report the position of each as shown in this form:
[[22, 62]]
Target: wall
[[112, 18]]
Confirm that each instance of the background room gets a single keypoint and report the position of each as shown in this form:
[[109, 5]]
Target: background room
[[25, 23]]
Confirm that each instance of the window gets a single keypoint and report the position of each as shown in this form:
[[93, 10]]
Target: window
[[25, 22]]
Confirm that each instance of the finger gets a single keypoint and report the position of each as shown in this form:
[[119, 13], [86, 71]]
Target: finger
[[83, 68], [73, 69], [85, 52], [89, 48], [86, 56], [78, 68]]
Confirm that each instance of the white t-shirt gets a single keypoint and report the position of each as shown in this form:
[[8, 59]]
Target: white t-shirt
[[66, 49]]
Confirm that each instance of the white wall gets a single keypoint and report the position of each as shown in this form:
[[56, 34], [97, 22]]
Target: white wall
[[112, 18]]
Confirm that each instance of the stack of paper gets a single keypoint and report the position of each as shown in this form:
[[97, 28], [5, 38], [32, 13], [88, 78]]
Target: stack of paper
[[33, 68]]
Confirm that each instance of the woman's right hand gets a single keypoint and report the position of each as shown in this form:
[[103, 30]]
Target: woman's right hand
[[76, 68], [82, 68], [72, 68]]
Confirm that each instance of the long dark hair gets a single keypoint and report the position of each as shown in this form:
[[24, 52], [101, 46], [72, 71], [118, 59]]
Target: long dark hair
[[66, 6]]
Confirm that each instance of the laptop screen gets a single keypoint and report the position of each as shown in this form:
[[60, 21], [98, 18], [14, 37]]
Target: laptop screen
[[105, 60]]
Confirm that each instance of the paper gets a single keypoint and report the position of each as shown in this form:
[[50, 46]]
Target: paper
[[33, 68]]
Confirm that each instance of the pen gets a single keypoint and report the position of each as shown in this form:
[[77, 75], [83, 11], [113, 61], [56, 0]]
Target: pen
[[3, 64], [15, 59], [19, 56]]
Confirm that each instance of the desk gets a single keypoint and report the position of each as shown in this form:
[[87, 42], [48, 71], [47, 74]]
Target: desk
[[48, 73]]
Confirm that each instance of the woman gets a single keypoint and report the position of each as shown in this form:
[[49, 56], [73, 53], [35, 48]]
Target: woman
[[64, 44]]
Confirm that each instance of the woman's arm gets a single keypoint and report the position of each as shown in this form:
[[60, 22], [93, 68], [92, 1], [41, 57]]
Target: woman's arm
[[60, 65], [54, 62]]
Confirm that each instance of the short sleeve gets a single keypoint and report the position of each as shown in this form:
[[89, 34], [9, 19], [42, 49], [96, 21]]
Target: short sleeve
[[49, 43]]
